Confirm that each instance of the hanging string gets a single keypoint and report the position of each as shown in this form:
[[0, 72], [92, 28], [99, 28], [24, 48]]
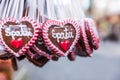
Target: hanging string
[[3, 8], [11, 9], [16, 14], [21, 8]]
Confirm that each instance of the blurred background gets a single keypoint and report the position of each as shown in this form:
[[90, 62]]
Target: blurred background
[[107, 15], [105, 62]]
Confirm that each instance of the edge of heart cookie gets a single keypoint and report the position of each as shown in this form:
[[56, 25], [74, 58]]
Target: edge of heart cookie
[[45, 28], [31, 54], [92, 28], [85, 40], [38, 51], [32, 40], [42, 53]]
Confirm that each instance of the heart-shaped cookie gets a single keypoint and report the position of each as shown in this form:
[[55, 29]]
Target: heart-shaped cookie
[[61, 36], [41, 48], [18, 35], [92, 33], [83, 42], [35, 58]]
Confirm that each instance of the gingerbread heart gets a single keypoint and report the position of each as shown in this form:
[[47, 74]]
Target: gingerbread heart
[[39, 61], [18, 35], [83, 42], [41, 48], [61, 36], [92, 33], [35, 58]]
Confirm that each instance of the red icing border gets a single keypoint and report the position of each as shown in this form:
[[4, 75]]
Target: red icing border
[[45, 28], [85, 40], [30, 43], [94, 36], [42, 53]]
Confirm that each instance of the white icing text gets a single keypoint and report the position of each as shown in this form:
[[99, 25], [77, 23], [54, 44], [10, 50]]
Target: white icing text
[[17, 30], [66, 34]]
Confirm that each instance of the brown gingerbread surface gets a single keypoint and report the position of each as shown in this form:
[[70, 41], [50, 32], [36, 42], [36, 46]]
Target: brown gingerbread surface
[[12, 26], [63, 32]]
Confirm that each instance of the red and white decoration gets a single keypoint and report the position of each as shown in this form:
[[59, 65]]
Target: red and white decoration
[[51, 39], [60, 32], [19, 36]]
